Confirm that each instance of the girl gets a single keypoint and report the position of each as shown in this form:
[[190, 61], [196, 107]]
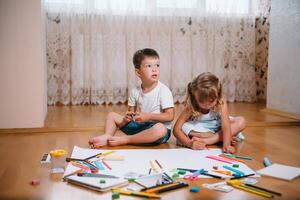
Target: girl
[[205, 118]]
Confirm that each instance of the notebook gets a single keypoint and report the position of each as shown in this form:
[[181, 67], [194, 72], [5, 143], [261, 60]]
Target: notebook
[[284, 172], [95, 184]]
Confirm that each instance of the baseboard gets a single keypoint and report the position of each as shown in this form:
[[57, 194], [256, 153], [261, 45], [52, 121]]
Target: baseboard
[[281, 113]]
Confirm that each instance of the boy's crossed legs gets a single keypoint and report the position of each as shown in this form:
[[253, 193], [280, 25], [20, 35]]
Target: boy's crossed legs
[[237, 124], [115, 121]]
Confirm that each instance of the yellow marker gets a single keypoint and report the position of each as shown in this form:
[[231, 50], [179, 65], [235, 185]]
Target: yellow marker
[[152, 166], [138, 194], [235, 183], [105, 153]]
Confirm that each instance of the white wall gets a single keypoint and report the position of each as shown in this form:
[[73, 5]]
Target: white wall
[[22, 64], [283, 91]]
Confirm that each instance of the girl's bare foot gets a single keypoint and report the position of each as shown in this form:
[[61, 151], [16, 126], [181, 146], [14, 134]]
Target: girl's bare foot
[[117, 141], [99, 141]]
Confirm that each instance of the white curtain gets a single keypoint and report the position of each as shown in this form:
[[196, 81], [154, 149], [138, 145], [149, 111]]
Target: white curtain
[[90, 44]]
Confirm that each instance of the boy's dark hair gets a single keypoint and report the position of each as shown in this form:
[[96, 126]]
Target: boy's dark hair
[[140, 55]]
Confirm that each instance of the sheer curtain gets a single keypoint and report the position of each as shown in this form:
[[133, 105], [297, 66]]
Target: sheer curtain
[[90, 44]]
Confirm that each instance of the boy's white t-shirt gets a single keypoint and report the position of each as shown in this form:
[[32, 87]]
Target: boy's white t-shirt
[[154, 101]]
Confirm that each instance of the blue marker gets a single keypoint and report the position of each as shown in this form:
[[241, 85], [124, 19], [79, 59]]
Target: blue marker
[[266, 161], [99, 165], [234, 170]]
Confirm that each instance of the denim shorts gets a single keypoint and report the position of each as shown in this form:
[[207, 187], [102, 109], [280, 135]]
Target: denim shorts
[[133, 128]]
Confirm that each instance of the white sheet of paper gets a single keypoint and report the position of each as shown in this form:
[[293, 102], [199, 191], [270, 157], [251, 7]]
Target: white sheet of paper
[[138, 160]]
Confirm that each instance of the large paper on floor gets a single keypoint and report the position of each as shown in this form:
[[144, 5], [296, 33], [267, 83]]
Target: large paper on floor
[[138, 160]]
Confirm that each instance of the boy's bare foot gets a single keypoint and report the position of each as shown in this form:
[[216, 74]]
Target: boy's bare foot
[[99, 141], [117, 141]]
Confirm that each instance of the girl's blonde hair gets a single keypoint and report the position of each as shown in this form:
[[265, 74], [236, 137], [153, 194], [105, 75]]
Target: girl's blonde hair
[[205, 87]]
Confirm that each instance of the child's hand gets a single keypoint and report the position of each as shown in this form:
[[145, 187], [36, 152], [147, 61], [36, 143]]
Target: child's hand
[[129, 116], [142, 117], [197, 144], [228, 149]]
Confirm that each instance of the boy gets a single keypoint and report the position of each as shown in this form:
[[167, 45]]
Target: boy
[[150, 108]]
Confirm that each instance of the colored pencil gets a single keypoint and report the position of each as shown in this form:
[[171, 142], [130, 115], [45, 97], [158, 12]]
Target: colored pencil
[[219, 159], [241, 187], [152, 166], [105, 153], [81, 160], [138, 194], [80, 165], [93, 156], [238, 177], [106, 164], [231, 158], [264, 189], [225, 172], [189, 170], [160, 187], [211, 175], [168, 177], [180, 185], [158, 164], [72, 173], [155, 186]]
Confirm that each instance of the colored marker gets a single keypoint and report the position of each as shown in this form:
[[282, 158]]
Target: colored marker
[[99, 165], [234, 170], [266, 161]]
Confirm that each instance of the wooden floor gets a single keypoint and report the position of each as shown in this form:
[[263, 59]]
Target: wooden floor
[[21, 149]]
